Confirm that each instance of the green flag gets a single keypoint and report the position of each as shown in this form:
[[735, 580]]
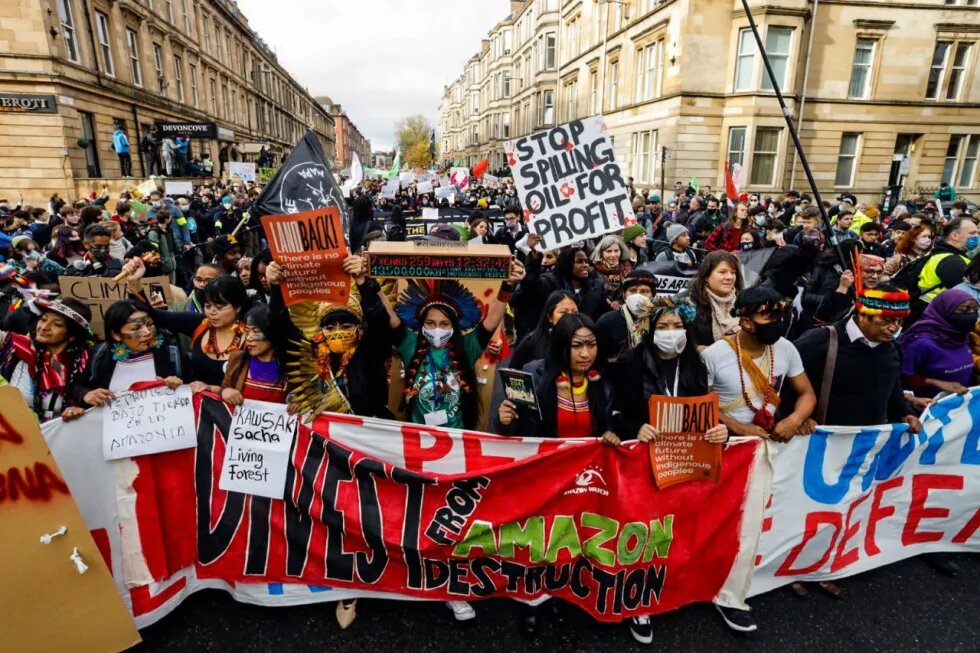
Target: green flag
[[695, 184]]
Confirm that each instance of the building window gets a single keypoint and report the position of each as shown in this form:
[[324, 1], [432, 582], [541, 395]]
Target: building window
[[847, 160], [593, 93], [764, 154], [187, 17], [134, 57], [102, 27], [952, 158], [179, 78], [213, 90], [68, 29], [224, 101], [960, 166], [158, 65], [613, 85], [736, 146], [170, 11], [549, 52], [958, 71], [193, 73], [648, 81], [507, 125], [644, 149], [207, 32], [778, 43], [570, 108], [861, 69], [91, 151], [937, 70], [969, 172], [506, 82], [548, 107], [744, 60]]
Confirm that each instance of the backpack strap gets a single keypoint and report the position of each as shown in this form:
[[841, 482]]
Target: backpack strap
[[830, 363]]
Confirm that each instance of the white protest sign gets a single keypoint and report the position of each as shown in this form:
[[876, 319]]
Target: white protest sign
[[570, 182], [389, 192], [257, 452], [459, 177], [244, 170], [178, 187], [405, 178], [491, 181], [430, 213], [444, 181], [148, 421], [146, 187], [424, 187], [445, 192]]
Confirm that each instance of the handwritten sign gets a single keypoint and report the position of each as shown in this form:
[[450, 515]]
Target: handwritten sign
[[423, 187], [569, 182], [406, 178], [311, 245], [438, 262], [430, 213], [148, 421], [681, 453], [99, 293], [257, 454], [174, 188], [244, 170], [146, 187], [459, 177]]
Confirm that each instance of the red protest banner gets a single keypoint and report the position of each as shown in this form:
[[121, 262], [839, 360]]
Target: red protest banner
[[311, 245], [681, 453]]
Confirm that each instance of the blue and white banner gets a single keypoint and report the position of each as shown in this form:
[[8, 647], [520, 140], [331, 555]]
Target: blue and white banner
[[846, 500]]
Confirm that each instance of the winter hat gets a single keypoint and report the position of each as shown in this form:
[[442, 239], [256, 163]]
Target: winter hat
[[629, 233], [675, 231]]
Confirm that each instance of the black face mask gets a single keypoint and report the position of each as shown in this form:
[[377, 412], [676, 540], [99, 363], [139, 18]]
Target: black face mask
[[963, 322], [99, 253], [768, 334], [745, 247]]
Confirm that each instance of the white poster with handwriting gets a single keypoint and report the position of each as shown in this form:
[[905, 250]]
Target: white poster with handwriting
[[148, 421], [257, 450]]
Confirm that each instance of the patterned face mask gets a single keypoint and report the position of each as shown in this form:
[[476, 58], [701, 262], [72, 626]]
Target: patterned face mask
[[342, 340]]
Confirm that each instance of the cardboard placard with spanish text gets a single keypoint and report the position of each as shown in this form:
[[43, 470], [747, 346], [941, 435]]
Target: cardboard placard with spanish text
[[99, 293], [680, 453], [311, 246], [49, 601]]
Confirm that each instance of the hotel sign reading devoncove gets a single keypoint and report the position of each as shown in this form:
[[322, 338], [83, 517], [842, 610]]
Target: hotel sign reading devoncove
[[23, 103]]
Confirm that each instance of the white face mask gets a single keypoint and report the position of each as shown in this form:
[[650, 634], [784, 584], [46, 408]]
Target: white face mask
[[924, 242], [636, 302], [437, 337], [671, 341]]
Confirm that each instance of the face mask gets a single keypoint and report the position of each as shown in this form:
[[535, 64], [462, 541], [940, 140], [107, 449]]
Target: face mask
[[745, 247], [963, 322], [511, 224], [547, 268], [973, 242], [183, 206], [33, 255], [227, 205], [771, 212], [339, 342], [924, 243], [99, 252], [768, 334], [156, 204], [760, 220], [671, 342], [636, 303], [437, 337]]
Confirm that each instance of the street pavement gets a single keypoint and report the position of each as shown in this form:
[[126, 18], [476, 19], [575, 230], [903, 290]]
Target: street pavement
[[903, 607]]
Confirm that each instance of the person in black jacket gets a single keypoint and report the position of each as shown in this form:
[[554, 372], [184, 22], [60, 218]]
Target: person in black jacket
[[534, 346], [512, 231], [362, 222], [571, 273]]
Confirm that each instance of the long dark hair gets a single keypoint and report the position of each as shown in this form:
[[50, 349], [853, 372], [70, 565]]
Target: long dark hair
[[254, 282], [566, 261], [227, 289], [117, 314], [469, 397], [258, 317], [560, 352], [79, 342], [541, 335], [693, 372], [699, 284]]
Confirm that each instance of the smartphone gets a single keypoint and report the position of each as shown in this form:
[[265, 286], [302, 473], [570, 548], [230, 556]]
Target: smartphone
[[156, 292]]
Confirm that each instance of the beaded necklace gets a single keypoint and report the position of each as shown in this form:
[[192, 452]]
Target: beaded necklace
[[238, 337], [741, 380]]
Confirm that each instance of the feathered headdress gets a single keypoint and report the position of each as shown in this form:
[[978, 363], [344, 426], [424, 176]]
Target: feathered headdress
[[421, 294]]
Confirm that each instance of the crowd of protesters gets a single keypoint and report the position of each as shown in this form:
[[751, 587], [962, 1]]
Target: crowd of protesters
[[884, 305]]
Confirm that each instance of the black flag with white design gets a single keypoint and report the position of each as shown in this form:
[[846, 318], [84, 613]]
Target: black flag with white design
[[303, 183]]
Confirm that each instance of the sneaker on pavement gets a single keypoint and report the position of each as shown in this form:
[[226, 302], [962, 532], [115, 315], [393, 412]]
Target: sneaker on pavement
[[462, 610], [739, 620], [641, 629]]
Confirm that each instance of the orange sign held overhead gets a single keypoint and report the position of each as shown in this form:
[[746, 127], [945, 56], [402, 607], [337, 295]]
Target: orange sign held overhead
[[56, 593], [681, 453], [311, 246]]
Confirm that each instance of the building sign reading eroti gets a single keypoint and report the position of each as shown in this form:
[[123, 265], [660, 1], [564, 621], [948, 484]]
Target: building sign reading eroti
[[21, 103]]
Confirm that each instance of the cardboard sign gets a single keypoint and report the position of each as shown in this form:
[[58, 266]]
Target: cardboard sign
[[99, 293], [409, 259], [491, 181], [147, 187], [423, 187], [244, 170], [311, 245], [681, 453], [47, 604], [174, 188], [148, 421], [519, 388], [257, 454], [569, 183]]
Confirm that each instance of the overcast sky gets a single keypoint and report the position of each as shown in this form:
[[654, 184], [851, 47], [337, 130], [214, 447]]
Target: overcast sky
[[382, 60]]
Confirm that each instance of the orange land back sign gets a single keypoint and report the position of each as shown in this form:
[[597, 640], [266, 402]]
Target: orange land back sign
[[681, 453]]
